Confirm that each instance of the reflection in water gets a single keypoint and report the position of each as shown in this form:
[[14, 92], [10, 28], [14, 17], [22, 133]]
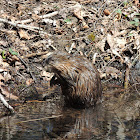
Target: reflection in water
[[47, 120]]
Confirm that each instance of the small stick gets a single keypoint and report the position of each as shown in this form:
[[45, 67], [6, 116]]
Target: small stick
[[126, 82], [41, 17], [33, 28], [51, 117], [49, 15], [34, 54]]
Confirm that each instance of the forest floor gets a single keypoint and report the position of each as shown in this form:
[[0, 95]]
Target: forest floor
[[106, 32]]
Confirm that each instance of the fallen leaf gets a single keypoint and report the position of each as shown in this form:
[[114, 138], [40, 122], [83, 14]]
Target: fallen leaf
[[23, 34], [7, 76], [18, 63], [117, 54], [14, 58], [115, 73], [29, 81], [1, 77], [106, 12], [110, 40], [101, 45], [77, 10], [120, 42], [5, 65], [3, 43], [85, 26], [35, 17], [48, 76]]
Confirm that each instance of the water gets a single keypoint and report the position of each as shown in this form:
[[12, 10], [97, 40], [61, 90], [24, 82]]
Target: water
[[48, 120]]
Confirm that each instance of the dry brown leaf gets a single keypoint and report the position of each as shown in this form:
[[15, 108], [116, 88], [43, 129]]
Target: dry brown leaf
[[14, 58], [120, 42], [106, 12], [114, 44], [77, 10], [136, 2], [48, 76], [121, 33], [117, 17], [85, 26], [29, 81], [3, 43], [117, 54], [23, 34], [20, 9], [115, 73], [5, 65], [7, 76], [105, 21], [35, 17], [110, 41], [1, 77], [18, 63], [101, 45]]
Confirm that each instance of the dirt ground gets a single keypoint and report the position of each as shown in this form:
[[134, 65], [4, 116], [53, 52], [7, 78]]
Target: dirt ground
[[106, 32]]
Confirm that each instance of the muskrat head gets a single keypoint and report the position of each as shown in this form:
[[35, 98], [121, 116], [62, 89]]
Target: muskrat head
[[54, 59]]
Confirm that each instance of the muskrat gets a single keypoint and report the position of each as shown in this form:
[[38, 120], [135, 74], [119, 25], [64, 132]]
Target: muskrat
[[78, 77]]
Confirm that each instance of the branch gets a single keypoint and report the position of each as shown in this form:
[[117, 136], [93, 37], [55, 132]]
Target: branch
[[33, 28], [41, 17], [6, 104], [34, 54]]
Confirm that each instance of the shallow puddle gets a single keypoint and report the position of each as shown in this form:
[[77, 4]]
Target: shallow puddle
[[47, 120]]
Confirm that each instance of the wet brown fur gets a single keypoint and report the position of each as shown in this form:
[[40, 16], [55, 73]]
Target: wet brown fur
[[78, 77]]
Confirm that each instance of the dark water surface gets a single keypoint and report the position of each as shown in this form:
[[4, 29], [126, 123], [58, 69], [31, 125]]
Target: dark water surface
[[47, 120]]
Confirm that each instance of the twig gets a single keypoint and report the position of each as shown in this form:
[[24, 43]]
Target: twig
[[6, 104], [53, 116], [72, 46], [49, 15], [20, 25], [34, 54], [32, 28], [126, 82], [41, 17]]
